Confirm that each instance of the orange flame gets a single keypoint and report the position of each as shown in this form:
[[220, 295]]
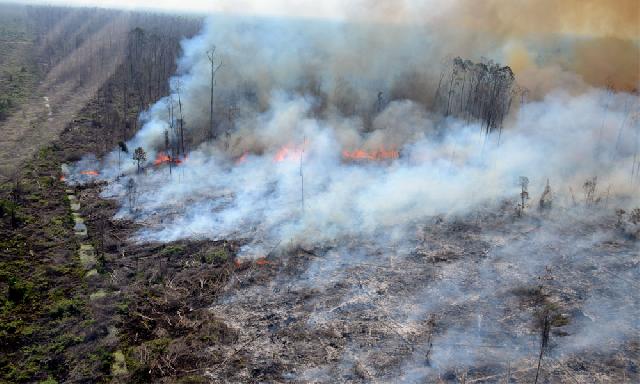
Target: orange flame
[[380, 154], [259, 261], [242, 158], [62, 178], [89, 173], [162, 158], [262, 261], [288, 152]]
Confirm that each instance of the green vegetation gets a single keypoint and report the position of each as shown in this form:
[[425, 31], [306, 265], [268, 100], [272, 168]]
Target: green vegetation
[[173, 250], [217, 255], [16, 85], [42, 305], [18, 74]]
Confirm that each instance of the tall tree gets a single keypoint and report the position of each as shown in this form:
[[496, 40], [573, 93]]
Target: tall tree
[[140, 156], [214, 69]]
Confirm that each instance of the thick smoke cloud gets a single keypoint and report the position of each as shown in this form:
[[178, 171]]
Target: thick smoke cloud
[[292, 96], [595, 39], [329, 137]]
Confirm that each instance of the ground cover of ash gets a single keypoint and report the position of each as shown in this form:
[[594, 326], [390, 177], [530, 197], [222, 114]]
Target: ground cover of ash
[[464, 303]]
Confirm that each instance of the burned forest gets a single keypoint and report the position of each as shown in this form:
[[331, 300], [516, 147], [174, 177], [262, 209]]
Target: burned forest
[[294, 192]]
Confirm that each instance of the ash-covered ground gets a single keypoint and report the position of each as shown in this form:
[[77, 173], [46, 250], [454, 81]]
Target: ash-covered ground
[[465, 302]]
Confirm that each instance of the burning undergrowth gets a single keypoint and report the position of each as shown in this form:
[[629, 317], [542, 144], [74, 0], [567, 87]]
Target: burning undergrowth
[[392, 217], [312, 188]]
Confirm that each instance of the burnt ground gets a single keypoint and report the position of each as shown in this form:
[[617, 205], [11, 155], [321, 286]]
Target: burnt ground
[[462, 303], [457, 306], [465, 302]]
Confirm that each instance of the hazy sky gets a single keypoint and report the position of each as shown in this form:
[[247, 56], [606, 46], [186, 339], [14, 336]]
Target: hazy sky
[[305, 8]]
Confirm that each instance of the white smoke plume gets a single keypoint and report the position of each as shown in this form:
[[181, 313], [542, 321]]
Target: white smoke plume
[[444, 167], [293, 97], [329, 135]]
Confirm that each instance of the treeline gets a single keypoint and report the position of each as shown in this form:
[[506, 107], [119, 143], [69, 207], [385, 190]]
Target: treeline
[[126, 57], [138, 51], [480, 91], [92, 35]]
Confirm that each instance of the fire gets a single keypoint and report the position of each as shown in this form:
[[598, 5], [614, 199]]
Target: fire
[[288, 152], [262, 261], [62, 178], [380, 154], [259, 261], [242, 158], [89, 173], [162, 158]]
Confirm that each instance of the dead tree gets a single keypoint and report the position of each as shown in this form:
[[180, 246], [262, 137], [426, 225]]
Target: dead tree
[[16, 198], [167, 148], [101, 229], [214, 69], [122, 148], [589, 187], [16, 191], [547, 317], [524, 194], [178, 85], [545, 328], [635, 166], [231, 112], [131, 194], [546, 198], [431, 324], [482, 91], [380, 102], [302, 175], [173, 148]]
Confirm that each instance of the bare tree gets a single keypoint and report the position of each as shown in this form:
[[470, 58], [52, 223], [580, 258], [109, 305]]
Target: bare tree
[[524, 194], [302, 174], [132, 194], [167, 149], [101, 229], [214, 69], [545, 328], [635, 166], [16, 199], [546, 198], [178, 86], [589, 187], [122, 148], [380, 102], [483, 91]]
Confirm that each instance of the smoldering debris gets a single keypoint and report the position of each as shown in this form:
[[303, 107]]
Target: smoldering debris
[[348, 315]]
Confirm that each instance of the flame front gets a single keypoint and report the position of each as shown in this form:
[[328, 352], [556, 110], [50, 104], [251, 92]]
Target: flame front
[[89, 173], [288, 152], [163, 158], [380, 154], [242, 158], [262, 261]]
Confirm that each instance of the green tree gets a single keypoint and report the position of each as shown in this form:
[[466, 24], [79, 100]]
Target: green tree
[[140, 156]]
